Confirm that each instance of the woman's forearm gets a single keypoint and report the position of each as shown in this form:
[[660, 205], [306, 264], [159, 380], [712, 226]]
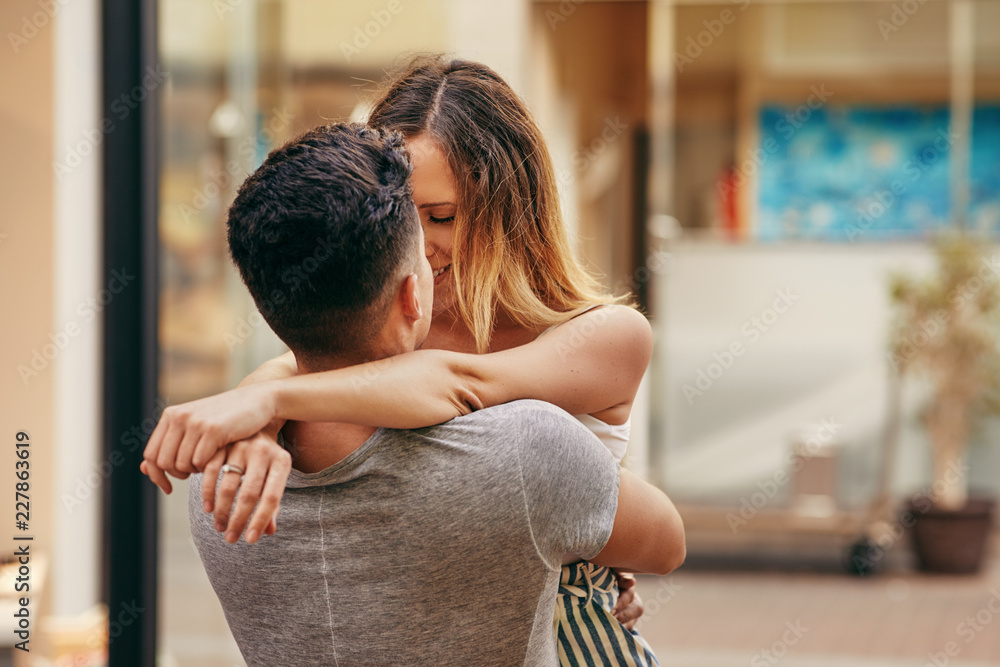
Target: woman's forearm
[[272, 369], [589, 364], [411, 390], [280, 367]]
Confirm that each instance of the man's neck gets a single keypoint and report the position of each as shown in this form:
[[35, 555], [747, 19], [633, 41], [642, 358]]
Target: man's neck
[[315, 446]]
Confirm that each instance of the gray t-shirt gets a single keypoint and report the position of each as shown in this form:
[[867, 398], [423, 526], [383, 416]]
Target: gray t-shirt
[[437, 546]]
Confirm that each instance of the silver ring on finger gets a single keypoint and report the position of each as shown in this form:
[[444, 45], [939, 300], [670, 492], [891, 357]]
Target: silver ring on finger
[[232, 467]]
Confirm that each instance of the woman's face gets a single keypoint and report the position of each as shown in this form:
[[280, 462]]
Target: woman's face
[[435, 192]]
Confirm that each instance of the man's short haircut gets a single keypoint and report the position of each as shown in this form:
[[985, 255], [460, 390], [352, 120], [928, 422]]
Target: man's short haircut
[[321, 231]]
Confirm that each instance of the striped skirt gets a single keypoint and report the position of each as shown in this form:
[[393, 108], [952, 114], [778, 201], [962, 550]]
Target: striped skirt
[[587, 634]]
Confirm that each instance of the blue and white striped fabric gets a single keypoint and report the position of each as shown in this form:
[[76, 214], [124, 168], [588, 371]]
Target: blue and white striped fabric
[[587, 633]]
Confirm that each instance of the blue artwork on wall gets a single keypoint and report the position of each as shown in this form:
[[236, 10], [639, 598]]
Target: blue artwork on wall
[[984, 177], [855, 174]]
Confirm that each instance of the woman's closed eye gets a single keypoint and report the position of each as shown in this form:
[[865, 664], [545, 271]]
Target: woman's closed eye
[[441, 221]]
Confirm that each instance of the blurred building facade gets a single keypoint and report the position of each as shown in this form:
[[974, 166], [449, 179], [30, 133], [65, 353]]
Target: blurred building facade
[[726, 161], [686, 136]]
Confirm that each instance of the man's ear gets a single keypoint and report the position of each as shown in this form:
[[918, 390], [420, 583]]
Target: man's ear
[[410, 297]]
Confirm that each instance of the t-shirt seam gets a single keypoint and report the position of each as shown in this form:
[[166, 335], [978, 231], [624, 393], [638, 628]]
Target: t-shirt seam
[[326, 579], [527, 513], [547, 408]]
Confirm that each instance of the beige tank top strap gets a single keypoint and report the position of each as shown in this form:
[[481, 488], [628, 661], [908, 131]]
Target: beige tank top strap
[[585, 310]]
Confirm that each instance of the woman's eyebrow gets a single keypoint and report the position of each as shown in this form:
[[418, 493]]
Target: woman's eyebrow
[[437, 203]]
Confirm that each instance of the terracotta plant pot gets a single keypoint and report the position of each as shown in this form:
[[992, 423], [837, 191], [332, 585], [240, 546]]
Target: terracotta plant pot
[[951, 541]]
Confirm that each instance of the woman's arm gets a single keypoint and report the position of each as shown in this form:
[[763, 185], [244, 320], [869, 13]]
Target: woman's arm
[[157, 462], [648, 535], [590, 364], [280, 367]]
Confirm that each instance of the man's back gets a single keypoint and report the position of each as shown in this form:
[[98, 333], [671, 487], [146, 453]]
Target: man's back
[[438, 546]]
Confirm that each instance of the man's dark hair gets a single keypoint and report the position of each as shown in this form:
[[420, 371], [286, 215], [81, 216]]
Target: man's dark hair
[[318, 233]]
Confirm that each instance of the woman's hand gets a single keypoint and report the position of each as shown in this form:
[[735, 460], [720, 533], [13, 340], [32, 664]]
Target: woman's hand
[[266, 465], [189, 435], [629, 607]]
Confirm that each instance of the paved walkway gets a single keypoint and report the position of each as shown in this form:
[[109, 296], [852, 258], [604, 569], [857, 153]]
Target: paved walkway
[[720, 617], [724, 619]]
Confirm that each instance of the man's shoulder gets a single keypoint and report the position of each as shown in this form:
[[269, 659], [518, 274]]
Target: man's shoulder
[[535, 425], [523, 411]]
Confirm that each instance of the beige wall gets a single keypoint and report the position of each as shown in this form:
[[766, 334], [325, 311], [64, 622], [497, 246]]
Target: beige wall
[[597, 52], [26, 260], [361, 34]]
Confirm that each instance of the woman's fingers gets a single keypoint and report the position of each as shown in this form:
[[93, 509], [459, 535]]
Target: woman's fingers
[[208, 443], [156, 474], [188, 435], [250, 489], [226, 491], [629, 608], [165, 448], [185, 451], [152, 449], [264, 516], [210, 478], [266, 465]]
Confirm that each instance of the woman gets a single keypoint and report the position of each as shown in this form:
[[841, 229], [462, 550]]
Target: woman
[[514, 316]]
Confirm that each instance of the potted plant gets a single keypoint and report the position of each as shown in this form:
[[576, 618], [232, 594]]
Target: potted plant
[[947, 328]]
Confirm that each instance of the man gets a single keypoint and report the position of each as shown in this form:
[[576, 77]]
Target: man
[[437, 546]]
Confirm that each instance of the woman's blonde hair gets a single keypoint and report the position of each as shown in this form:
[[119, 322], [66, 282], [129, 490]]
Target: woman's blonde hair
[[512, 253]]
